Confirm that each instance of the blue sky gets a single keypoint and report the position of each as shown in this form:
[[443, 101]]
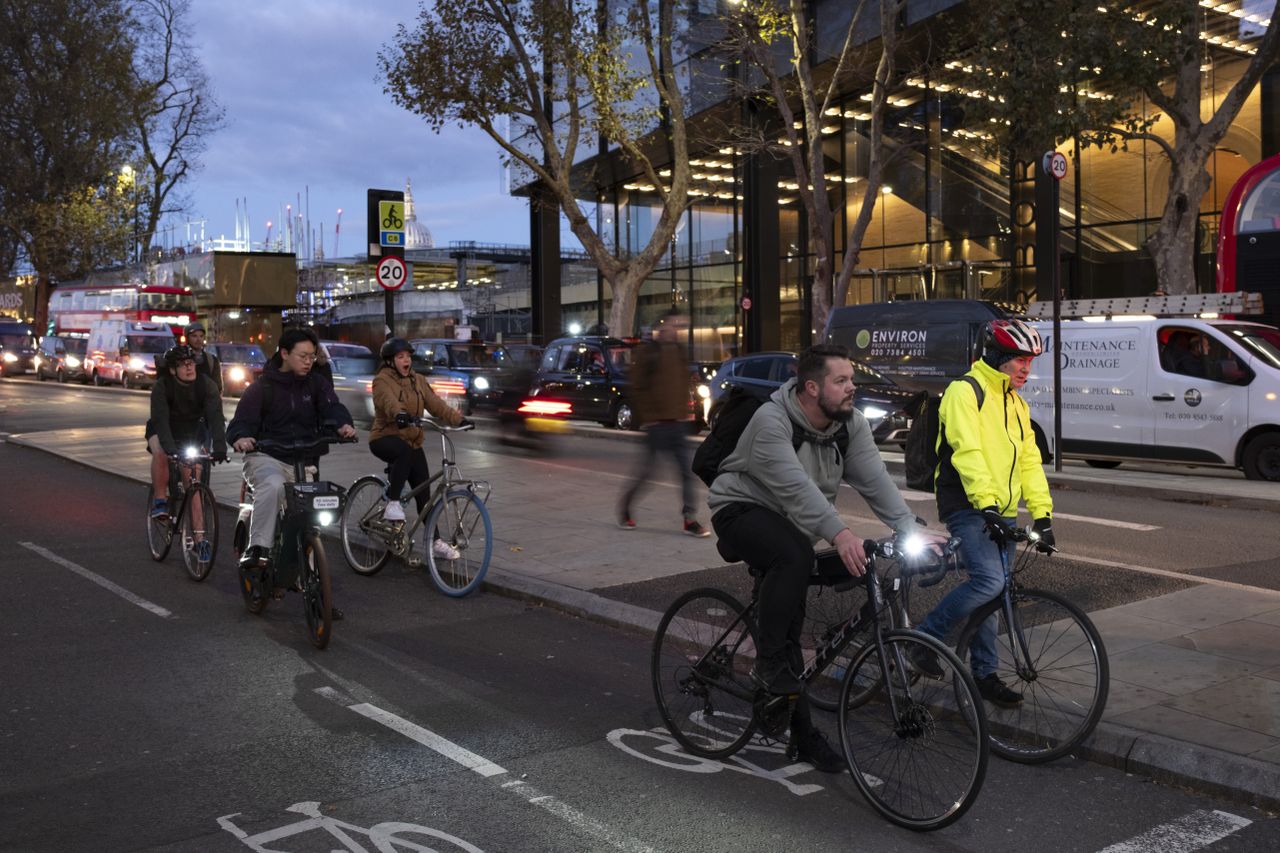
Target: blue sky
[[305, 110]]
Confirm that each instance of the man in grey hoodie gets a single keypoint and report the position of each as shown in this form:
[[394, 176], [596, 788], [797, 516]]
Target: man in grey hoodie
[[773, 501]]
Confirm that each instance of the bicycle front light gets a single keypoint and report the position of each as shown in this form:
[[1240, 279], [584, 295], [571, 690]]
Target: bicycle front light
[[913, 546], [325, 518], [236, 374], [192, 452]]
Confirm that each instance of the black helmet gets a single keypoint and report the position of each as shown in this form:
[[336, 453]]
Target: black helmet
[[393, 346], [178, 353]]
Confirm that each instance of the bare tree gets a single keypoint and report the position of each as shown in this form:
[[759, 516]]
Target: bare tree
[[176, 113], [547, 80], [757, 26]]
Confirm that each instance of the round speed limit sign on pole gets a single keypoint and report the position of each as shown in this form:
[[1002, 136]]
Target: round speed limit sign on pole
[[1055, 163], [392, 272]]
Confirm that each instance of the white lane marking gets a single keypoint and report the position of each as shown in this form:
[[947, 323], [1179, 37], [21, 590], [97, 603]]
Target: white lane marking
[[580, 821], [1190, 832], [1108, 522], [110, 586]]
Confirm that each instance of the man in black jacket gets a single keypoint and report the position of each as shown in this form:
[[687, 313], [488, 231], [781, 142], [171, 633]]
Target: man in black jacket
[[297, 405], [207, 363], [185, 411]]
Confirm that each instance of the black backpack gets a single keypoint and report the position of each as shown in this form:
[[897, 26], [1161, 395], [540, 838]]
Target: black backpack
[[921, 454], [739, 407]]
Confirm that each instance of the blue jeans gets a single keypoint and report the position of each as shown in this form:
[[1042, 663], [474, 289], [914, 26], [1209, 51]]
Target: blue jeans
[[985, 582]]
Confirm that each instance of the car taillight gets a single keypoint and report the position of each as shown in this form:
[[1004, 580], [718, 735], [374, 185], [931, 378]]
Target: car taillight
[[368, 387], [535, 406], [448, 386]]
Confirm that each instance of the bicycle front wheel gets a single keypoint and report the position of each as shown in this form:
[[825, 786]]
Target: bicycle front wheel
[[1055, 658], [702, 656], [199, 532], [916, 746], [159, 532], [460, 521], [317, 594], [364, 548]]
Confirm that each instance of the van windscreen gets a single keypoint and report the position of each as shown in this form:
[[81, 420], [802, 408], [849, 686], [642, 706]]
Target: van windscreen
[[149, 343]]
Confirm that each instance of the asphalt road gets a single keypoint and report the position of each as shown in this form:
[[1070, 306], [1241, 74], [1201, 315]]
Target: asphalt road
[[142, 711]]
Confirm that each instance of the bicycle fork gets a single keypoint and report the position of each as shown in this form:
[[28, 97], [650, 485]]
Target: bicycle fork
[[1022, 663]]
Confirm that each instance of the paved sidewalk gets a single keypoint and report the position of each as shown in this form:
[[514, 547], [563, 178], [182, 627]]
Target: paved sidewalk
[[1195, 691]]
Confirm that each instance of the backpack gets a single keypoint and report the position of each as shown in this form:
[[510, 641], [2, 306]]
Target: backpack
[[732, 420], [921, 453]]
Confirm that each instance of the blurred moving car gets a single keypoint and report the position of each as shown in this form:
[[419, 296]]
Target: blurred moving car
[[589, 373], [887, 406], [241, 365], [353, 367], [62, 358], [463, 370], [17, 348]]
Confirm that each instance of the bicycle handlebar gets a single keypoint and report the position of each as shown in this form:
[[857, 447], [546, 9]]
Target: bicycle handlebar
[[432, 423], [1012, 533], [301, 447]]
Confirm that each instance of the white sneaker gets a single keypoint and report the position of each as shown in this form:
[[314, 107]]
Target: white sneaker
[[393, 512], [444, 551]]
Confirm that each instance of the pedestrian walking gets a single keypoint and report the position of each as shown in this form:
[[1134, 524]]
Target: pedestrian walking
[[660, 401]]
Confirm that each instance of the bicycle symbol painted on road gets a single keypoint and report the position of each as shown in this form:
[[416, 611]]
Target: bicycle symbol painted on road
[[660, 748], [386, 837]]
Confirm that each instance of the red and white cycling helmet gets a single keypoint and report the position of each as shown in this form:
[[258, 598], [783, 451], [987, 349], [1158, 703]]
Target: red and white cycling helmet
[[1012, 337]]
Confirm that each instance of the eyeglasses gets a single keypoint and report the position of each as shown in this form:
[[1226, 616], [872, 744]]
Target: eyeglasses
[[305, 356]]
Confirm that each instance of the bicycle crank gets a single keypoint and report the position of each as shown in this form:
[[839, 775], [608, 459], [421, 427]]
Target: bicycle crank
[[773, 712]]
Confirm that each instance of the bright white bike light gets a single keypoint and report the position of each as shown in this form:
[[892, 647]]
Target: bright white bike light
[[192, 452], [325, 519], [913, 546]]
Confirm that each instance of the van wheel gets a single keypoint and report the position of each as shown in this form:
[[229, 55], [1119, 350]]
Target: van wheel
[[1262, 457], [97, 379], [1107, 464], [124, 380]]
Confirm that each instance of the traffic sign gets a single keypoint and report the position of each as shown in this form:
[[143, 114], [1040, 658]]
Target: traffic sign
[[391, 223], [1055, 163], [392, 272]]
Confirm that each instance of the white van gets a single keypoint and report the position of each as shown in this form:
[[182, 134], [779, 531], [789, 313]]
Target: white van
[[1163, 388], [125, 352]]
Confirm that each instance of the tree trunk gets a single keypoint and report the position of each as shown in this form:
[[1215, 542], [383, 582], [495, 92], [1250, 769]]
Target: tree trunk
[[44, 290], [1173, 245], [622, 312]]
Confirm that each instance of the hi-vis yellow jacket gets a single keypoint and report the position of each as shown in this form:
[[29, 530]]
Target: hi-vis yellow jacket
[[988, 456]]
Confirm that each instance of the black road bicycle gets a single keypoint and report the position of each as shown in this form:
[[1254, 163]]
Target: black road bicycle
[[192, 518]]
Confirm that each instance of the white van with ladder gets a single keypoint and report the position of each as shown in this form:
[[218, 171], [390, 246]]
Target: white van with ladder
[[1162, 378]]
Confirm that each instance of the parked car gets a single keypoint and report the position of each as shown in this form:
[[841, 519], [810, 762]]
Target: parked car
[[353, 366], [470, 372], [590, 374], [241, 365], [17, 348], [126, 352], [887, 406], [62, 358]]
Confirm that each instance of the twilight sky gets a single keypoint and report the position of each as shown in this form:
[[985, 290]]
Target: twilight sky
[[304, 109]]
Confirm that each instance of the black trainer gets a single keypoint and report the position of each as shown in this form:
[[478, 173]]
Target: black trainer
[[924, 661], [776, 678], [997, 692], [812, 746]]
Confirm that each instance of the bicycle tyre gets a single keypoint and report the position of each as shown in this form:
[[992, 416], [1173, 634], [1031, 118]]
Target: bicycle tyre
[[159, 533], [198, 569], [920, 757], [317, 591], [700, 669], [365, 553], [457, 519], [1065, 697]]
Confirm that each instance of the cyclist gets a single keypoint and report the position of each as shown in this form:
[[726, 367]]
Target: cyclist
[[290, 403], [988, 462], [185, 411], [206, 362], [773, 501], [399, 395]]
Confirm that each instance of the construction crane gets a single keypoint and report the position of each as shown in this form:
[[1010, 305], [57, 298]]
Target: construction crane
[[337, 233]]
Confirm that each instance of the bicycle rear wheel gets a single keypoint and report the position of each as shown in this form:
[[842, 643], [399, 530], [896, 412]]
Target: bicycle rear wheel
[[159, 532], [199, 530], [364, 549], [460, 520], [1064, 684], [916, 747], [702, 656], [317, 594]]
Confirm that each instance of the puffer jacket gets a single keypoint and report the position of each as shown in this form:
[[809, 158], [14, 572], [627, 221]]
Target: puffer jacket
[[393, 394]]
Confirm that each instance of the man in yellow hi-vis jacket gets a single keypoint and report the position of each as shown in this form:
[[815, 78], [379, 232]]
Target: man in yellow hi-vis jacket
[[988, 462]]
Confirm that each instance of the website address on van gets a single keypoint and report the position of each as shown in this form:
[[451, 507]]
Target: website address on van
[[1079, 407]]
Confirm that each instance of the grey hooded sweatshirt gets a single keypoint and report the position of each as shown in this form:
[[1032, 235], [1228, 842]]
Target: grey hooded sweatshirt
[[801, 485]]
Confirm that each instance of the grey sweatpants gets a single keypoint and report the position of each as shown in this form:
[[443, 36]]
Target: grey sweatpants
[[268, 476]]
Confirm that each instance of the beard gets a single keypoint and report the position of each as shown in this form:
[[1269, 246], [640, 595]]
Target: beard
[[837, 412]]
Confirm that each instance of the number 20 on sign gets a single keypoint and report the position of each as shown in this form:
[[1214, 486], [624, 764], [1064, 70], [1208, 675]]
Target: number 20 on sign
[[392, 272]]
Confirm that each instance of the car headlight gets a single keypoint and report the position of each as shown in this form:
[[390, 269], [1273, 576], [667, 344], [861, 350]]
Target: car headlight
[[71, 361], [236, 374], [481, 384], [10, 358], [873, 413], [704, 391], [136, 363]]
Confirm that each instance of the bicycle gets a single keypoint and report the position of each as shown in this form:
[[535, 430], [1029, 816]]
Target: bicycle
[[296, 561], [386, 837], [1050, 649], [916, 747], [196, 519], [455, 513]]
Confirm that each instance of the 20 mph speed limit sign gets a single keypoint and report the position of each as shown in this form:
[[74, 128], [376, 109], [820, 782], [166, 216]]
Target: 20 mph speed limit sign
[[392, 272]]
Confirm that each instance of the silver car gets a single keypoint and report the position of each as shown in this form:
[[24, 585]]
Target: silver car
[[353, 366]]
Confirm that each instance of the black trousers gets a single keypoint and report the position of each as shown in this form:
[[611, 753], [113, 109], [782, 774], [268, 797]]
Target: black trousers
[[407, 464]]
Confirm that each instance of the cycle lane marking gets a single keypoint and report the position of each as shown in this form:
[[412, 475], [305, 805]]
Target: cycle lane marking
[[1191, 832], [110, 586], [578, 820]]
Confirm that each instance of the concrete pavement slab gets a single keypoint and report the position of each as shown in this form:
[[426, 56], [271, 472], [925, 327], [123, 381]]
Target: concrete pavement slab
[[1243, 640], [1204, 730], [1250, 702], [1164, 667]]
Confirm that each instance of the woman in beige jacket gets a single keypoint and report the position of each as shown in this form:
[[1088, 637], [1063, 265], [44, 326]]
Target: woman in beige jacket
[[399, 395]]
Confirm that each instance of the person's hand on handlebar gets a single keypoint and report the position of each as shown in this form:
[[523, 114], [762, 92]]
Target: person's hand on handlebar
[[931, 541], [347, 431], [245, 445], [404, 419], [1042, 531], [218, 456], [466, 423], [849, 547]]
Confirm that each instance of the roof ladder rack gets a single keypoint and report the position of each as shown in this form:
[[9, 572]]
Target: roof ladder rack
[[1181, 305]]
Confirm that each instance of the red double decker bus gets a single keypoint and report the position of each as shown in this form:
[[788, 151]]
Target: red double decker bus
[[72, 308]]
